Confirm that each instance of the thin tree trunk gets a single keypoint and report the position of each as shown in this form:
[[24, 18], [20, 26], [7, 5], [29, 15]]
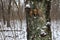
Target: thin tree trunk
[[3, 12], [20, 13], [8, 15]]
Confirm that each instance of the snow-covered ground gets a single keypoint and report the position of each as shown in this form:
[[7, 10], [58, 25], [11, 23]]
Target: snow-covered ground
[[55, 27], [15, 32]]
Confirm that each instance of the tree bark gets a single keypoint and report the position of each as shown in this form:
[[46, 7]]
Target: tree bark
[[8, 15]]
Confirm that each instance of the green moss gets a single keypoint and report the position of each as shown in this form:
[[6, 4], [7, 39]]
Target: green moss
[[35, 24]]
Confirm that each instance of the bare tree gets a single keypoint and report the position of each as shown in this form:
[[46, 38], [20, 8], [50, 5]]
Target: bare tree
[[3, 12], [8, 14]]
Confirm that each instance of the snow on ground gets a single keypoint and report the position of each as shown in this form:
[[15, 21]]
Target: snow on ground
[[55, 27], [19, 33]]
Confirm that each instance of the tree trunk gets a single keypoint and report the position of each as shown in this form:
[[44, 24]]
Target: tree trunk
[[8, 15], [37, 22]]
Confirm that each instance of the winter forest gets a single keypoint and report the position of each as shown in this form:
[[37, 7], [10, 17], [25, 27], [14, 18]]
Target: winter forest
[[29, 19]]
